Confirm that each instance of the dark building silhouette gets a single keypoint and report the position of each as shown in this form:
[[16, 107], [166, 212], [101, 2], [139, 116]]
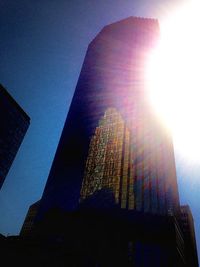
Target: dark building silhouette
[[111, 198], [112, 139], [187, 224], [129, 239], [28, 224], [14, 124]]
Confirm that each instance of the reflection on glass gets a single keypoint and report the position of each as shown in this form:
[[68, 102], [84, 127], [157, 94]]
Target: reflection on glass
[[107, 164]]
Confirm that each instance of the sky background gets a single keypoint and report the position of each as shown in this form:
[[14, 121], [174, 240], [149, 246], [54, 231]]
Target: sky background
[[42, 48]]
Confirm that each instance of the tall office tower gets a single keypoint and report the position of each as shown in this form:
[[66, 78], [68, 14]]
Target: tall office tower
[[14, 124], [113, 148]]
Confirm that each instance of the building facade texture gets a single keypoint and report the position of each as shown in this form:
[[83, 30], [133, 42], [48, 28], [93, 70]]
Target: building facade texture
[[112, 140], [14, 124]]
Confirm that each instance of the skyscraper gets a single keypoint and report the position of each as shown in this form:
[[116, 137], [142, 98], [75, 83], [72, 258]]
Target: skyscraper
[[14, 124], [113, 146], [111, 198]]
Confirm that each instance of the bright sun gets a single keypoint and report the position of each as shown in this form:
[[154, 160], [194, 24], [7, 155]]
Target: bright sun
[[174, 78]]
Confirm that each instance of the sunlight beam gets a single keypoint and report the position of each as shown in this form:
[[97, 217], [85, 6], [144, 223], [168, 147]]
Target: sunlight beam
[[174, 78]]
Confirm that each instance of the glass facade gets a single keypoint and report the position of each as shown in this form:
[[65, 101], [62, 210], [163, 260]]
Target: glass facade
[[112, 139], [107, 163]]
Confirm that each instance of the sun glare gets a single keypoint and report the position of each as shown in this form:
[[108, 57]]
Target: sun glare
[[174, 78]]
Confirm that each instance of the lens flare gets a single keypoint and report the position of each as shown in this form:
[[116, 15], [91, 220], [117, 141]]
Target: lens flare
[[174, 79]]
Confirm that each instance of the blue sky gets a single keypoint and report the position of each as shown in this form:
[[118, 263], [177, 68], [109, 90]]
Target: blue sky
[[42, 48]]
